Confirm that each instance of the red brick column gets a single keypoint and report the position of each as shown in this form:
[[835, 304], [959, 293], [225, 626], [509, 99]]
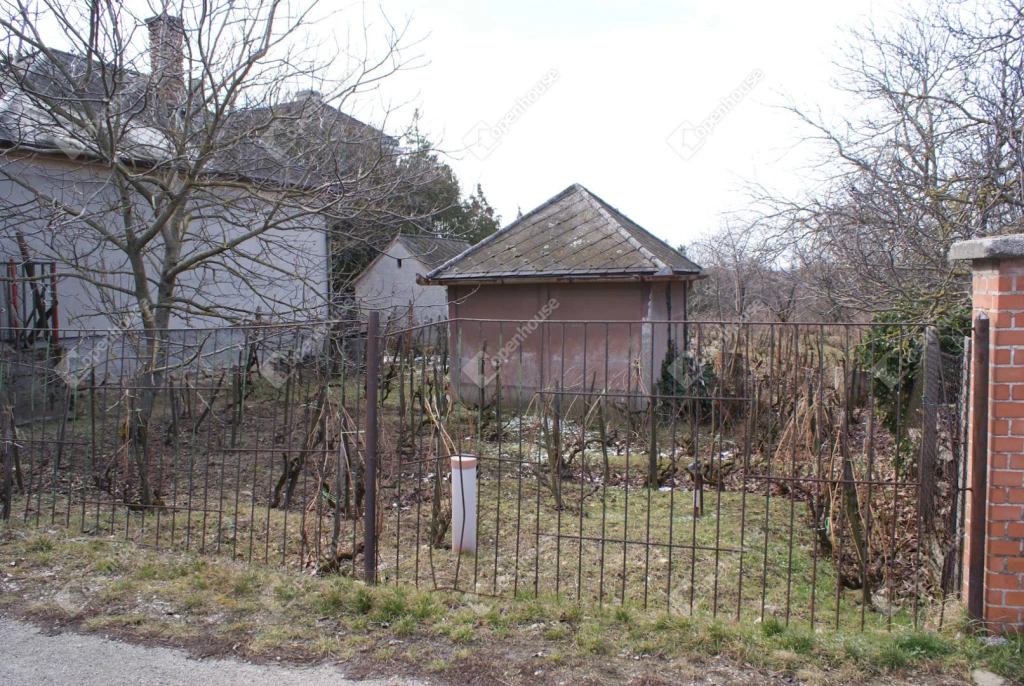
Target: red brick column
[[998, 265]]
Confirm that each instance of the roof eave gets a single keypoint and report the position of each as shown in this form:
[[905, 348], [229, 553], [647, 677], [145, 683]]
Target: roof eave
[[7, 145], [632, 277]]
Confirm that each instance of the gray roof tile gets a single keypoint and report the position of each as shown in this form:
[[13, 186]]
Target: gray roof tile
[[434, 251], [575, 234], [250, 147]]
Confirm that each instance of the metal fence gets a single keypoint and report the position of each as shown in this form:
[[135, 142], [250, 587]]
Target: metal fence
[[218, 440], [810, 472]]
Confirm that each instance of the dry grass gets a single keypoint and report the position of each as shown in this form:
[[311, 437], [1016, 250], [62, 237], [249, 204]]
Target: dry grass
[[213, 605], [617, 543]]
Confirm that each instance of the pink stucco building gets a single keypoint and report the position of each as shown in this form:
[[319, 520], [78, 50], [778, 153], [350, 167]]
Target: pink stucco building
[[572, 295]]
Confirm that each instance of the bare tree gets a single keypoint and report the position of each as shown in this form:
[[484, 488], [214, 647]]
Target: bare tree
[[747, 276], [201, 185], [167, 167], [929, 154]]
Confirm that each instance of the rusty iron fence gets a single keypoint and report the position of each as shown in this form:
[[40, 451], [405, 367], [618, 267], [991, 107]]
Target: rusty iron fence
[[28, 301], [809, 472], [230, 440]]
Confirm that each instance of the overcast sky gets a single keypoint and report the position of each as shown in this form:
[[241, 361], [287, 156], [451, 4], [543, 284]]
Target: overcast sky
[[665, 108], [622, 76]]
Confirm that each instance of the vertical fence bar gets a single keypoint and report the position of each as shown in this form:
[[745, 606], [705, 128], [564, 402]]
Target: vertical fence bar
[[979, 469], [781, 366], [7, 454], [930, 432], [963, 430], [370, 503], [54, 318]]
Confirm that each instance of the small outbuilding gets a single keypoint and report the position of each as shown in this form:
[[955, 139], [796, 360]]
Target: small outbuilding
[[573, 295], [389, 283]]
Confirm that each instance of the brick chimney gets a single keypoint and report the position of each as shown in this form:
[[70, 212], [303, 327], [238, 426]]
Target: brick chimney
[[167, 65]]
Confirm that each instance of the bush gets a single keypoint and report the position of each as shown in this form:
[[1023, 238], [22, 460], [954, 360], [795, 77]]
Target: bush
[[893, 355], [685, 377]]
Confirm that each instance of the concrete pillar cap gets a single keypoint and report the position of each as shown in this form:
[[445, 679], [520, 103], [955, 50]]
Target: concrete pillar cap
[[992, 248]]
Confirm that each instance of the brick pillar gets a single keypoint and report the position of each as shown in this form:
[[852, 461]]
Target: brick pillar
[[998, 265]]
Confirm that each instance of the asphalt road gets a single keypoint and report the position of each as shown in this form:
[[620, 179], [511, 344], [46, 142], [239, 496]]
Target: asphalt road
[[29, 658]]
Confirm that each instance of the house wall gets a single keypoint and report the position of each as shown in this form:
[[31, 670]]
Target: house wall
[[282, 273], [393, 290], [572, 336]]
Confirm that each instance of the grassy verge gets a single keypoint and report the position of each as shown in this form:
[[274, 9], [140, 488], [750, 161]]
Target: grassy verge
[[215, 606], [621, 545]]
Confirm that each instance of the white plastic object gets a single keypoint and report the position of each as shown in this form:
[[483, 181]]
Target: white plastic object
[[463, 504]]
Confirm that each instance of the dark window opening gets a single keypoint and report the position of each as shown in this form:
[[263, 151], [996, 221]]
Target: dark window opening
[[399, 262]]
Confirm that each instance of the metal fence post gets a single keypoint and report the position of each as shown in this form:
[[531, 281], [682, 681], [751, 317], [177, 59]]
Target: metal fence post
[[370, 473], [979, 470], [7, 457], [929, 432]]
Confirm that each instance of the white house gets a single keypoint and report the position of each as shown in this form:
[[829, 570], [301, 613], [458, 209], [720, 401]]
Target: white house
[[249, 242], [280, 273], [389, 284]]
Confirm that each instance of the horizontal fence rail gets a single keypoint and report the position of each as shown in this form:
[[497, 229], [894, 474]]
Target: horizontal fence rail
[[229, 440], [739, 470], [808, 472]]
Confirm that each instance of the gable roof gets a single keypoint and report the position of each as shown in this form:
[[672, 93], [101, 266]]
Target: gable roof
[[433, 251], [430, 250], [573, 235]]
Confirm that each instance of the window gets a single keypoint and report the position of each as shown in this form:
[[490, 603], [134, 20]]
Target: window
[[399, 262]]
